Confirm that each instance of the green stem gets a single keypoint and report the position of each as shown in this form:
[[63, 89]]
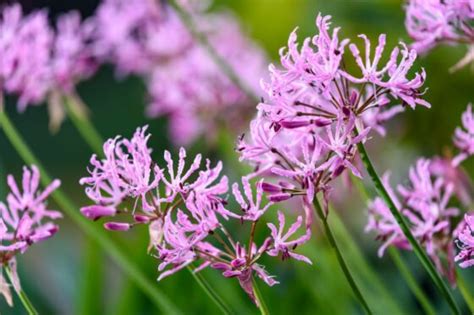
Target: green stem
[[204, 42], [465, 292], [340, 258], [411, 281], [21, 294], [420, 253], [225, 309], [260, 300], [96, 233], [82, 123]]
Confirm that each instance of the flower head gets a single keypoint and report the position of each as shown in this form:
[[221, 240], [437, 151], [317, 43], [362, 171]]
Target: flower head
[[464, 137], [465, 242], [25, 218]]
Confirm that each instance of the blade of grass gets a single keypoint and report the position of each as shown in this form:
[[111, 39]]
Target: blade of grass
[[340, 258], [398, 260], [419, 251], [465, 292], [366, 272], [21, 293], [411, 281], [120, 258]]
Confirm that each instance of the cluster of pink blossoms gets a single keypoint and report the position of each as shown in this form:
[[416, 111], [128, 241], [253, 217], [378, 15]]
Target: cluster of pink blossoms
[[37, 60], [184, 83], [317, 111], [431, 22], [144, 38], [185, 208], [428, 204], [24, 220]]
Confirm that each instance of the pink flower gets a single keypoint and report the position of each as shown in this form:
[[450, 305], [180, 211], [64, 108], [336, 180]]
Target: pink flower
[[25, 218], [251, 208], [465, 242], [25, 43], [282, 245], [464, 137], [72, 56], [126, 171], [425, 203], [433, 22], [185, 207]]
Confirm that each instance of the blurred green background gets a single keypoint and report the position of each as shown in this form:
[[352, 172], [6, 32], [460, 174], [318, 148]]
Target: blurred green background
[[62, 277]]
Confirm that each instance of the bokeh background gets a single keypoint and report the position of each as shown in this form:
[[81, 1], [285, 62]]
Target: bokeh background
[[63, 276]]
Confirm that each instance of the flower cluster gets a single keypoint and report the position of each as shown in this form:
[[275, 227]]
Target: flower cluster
[[465, 242], [425, 203], [184, 83], [185, 208], [464, 138], [432, 204], [145, 38], [317, 111], [431, 22], [25, 219], [37, 60]]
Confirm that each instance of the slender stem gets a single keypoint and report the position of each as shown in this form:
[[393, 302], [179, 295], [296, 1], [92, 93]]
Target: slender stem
[[340, 258], [420, 253], [21, 294], [411, 281], [204, 42], [96, 233], [260, 300], [225, 309], [465, 292], [82, 123]]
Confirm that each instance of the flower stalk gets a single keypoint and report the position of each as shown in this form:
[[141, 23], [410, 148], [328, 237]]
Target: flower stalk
[[21, 293], [259, 297], [420, 253], [340, 258]]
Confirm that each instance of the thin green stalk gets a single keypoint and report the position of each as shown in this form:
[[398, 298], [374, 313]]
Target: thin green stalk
[[95, 232], [82, 123], [411, 281], [340, 258], [465, 292], [204, 42], [210, 292], [21, 294], [259, 297], [420, 253]]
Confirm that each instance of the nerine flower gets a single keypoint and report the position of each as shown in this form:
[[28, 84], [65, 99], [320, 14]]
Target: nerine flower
[[185, 208], [316, 111], [38, 60], [425, 203], [25, 219], [465, 242], [464, 137], [433, 22]]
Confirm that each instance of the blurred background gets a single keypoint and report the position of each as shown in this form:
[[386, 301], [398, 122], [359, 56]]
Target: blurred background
[[63, 277]]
